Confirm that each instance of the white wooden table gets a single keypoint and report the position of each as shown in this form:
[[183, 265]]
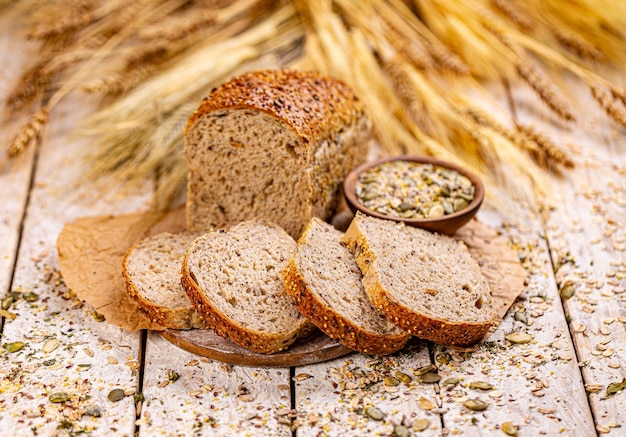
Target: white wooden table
[[554, 385]]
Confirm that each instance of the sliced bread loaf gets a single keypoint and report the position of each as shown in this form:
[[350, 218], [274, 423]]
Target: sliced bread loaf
[[325, 282], [152, 272], [233, 279], [272, 145], [427, 284]]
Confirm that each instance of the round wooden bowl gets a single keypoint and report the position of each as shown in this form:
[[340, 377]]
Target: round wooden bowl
[[446, 224]]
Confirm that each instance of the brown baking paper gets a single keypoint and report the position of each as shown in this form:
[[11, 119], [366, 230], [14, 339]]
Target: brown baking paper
[[91, 252]]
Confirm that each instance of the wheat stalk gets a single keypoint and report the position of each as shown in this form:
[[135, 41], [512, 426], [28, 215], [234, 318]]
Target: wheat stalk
[[31, 130], [146, 58], [141, 140], [39, 119], [609, 104]]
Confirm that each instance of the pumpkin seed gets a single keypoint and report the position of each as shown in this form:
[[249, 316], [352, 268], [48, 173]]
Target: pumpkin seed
[[423, 370], [426, 404], [508, 428], [421, 425], [7, 314], [616, 387], [429, 378], [58, 397], [93, 411], [98, 317], [443, 358], [401, 431], [30, 296], [374, 413], [15, 346], [519, 337], [390, 381], [116, 395], [452, 381], [475, 404], [403, 377], [50, 345], [567, 291], [7, 301], [521, 317], [481, 385]]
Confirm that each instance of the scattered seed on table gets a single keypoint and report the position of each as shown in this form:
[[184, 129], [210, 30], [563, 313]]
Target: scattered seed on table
[[50, 345], [481, 385], [476, 404], [15, 346], [30, 296], [374, 413], [58, 397], [519, 337], [116, 395]]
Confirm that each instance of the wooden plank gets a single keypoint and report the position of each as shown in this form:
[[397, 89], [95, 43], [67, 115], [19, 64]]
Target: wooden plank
[[537, 387], [190, 395], [334, 398], [65, 349], [14, 174], [586, 231]]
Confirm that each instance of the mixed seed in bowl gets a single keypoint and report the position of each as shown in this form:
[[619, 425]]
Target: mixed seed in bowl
[[412, 190]]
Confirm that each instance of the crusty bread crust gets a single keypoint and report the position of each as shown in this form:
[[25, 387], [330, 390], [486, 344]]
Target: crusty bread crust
[[223, 326], [172, 318], [278, 144], [227, 327], [446, 332], [334, 324], [312, 104]]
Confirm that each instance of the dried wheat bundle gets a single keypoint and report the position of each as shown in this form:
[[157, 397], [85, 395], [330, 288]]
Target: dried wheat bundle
[[417, 110], [419, 66], [498, 37], [139, 136], [108, 42]]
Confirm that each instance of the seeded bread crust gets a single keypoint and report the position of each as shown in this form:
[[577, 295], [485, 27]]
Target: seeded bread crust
[[155, 284], [272, 145], [309, 301], [449, 330], [223, 324]]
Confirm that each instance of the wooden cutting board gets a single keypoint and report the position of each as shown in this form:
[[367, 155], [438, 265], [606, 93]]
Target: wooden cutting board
[[314, 348]]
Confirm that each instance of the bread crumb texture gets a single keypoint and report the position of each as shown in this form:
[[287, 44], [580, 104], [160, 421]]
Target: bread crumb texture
[[426, 283], [325, 282], [152, 272], [273, 145], [233, 279]]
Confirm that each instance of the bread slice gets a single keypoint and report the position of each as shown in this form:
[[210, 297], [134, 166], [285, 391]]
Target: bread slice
[[427, 284], [272, 145], [233, 279], [325, 282], [152, 272]]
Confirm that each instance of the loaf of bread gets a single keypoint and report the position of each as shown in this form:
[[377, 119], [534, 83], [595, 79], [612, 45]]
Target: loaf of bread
[[325, 282], [232, 277], [272, 145], [427, 284], [152, 272]]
